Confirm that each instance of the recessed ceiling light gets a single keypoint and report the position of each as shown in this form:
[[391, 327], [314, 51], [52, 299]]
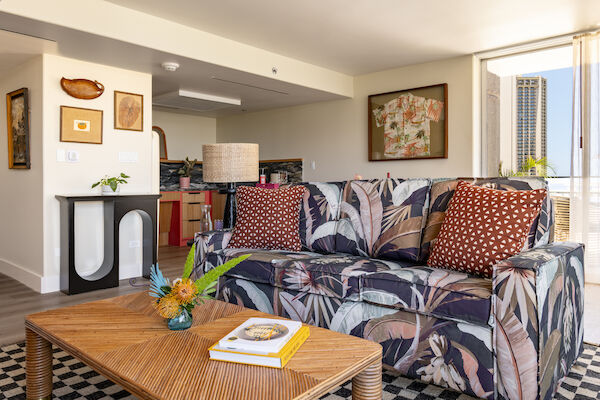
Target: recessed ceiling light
[[170, 66]]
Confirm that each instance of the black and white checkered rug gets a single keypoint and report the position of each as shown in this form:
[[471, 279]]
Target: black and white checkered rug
[[74, 380]]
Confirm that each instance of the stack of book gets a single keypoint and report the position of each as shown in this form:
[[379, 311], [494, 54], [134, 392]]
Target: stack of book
[[261, 341]]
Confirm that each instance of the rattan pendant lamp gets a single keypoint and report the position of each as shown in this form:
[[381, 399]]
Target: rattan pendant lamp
[[230, 163]]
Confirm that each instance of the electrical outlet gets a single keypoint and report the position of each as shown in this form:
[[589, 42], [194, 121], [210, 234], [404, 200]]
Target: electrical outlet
[[134, 244], [313, 164], [57, 252]]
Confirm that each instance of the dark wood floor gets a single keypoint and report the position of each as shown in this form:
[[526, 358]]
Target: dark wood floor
[[17, 300]]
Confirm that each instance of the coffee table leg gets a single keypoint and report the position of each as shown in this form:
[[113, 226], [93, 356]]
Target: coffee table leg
[[39, 366], [367, 384]]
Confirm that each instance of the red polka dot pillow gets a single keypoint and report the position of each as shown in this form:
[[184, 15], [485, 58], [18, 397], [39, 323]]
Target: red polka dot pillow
[[268, 218], [483, 226]]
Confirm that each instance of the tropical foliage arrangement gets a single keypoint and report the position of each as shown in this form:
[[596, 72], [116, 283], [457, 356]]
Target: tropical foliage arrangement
[[541, 167], [188, 166], [113, 181], [172, 298]]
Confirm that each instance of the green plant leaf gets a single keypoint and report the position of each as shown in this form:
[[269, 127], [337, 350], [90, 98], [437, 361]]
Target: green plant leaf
[[189, 262], [95, 184], [211, 276], [113, 185]]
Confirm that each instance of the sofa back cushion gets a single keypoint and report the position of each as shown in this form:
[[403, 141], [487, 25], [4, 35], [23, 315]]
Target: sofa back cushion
[[442, 191], [319, 214], [383, 218]]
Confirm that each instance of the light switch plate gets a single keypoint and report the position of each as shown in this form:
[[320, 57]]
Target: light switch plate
[[72, 156], [61, 155]]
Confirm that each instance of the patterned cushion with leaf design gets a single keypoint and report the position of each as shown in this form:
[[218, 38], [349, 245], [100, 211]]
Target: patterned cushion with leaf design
[[383, 218]]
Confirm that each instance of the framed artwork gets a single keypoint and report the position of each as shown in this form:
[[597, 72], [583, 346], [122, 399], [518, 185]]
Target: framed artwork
[[129, 111], [17, 120], [409, 124], [80, 125]]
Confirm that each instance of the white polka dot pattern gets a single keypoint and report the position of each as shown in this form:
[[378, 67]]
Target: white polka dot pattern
[[483, 226], [268, 218]]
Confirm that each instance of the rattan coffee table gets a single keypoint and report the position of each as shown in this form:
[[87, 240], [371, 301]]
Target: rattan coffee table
[[126, 341]]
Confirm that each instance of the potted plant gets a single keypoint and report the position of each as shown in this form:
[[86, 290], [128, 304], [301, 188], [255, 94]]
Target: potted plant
[[185, 172], [175, 300], [110, 185]]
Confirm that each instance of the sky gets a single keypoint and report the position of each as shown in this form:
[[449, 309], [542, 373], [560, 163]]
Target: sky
[[559, 92]]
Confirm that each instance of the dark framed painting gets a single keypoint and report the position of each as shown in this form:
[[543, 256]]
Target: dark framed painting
[[80, 125], [409, 124], [17, 118], [129, 111]]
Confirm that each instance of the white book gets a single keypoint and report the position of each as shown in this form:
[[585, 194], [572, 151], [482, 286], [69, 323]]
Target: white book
[[260, 335]]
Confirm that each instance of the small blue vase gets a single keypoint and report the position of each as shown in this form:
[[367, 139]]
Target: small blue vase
[[181, 322]]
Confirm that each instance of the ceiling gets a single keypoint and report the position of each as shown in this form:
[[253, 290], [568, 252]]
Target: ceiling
[[361, 36], [16, 49]]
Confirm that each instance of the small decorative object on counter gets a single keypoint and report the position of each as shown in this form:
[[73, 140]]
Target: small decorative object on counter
[[205, 219], [175, 301], [218, 224], [110, 185], [357, 177], [185, 172], [263, 178]]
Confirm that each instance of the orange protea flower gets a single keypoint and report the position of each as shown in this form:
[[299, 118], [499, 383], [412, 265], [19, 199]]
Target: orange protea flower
[[184, 291], [168, 306]]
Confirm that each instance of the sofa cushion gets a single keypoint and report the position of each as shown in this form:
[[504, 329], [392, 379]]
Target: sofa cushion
[[334, 275], [431, 291], [267, 218], [483, 226], [383, 218], [398, 284], [442, 191], [318, 215]]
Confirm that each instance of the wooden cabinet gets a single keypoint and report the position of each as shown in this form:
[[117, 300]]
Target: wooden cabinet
[[180, 214]]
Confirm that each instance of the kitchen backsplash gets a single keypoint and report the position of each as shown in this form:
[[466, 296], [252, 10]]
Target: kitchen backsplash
[[169, 179]]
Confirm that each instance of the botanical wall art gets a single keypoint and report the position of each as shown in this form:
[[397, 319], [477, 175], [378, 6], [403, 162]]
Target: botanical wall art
[[17, 117], [409, 124], [129, 111], [81, 125]]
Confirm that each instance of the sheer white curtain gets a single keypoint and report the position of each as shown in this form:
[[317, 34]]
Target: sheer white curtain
[[585, 157]]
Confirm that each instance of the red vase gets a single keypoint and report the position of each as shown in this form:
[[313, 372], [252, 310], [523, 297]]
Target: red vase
[[184, 182]]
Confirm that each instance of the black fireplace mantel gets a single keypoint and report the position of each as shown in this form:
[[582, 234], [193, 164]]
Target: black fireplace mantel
[[115, 208]]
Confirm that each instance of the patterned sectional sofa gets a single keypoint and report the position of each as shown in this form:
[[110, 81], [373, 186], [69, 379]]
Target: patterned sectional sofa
[[364, 273]]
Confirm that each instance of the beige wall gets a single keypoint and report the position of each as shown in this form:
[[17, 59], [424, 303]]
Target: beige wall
[[334, 134], [185, 133], [21, 200], [95, 160]]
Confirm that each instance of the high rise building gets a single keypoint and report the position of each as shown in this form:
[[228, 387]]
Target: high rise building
[[530, 119]]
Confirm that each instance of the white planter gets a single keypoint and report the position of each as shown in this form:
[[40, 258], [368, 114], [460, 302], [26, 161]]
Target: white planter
[[107, 190]]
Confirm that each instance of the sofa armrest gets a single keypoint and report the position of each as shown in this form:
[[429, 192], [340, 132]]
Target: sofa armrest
[[537, 319], [208, 242]]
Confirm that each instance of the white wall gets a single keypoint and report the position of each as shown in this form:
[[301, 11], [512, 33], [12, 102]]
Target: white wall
[[21, 240], [185, 133], [95, 160], [334, 134]]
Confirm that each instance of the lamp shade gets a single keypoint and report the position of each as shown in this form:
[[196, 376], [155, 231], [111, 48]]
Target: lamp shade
[[230, 162]]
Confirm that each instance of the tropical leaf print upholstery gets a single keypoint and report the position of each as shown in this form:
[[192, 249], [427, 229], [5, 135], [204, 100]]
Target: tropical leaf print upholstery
[[383, 218], [510, 337], [448, 353], [538, 318], [319, 215], [442, 191]]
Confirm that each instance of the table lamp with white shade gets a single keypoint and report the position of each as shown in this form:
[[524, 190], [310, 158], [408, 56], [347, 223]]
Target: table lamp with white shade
[[230, 163]]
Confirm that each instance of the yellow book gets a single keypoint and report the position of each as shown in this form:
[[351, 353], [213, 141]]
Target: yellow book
[[276, 360]]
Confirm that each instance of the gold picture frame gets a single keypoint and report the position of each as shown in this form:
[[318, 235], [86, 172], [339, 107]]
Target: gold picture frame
[[17, 119], [80, 125], [129, 111]]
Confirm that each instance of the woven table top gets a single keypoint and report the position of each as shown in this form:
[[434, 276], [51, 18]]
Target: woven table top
[[124, 339]]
